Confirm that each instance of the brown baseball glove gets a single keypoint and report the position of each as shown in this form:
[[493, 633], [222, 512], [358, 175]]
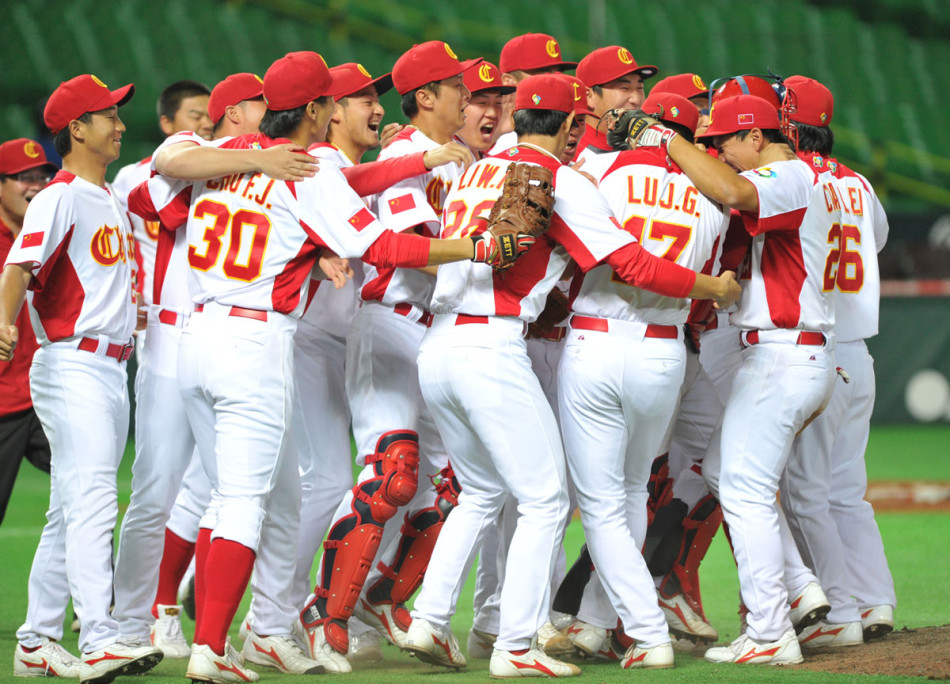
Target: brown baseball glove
[[524, 208]]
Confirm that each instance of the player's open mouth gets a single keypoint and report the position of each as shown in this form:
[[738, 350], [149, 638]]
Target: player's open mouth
[[487, 130], [374, 127]]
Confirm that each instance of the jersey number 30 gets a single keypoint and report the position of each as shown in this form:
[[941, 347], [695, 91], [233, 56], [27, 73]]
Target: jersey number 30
[[844, 268], [252, 255]]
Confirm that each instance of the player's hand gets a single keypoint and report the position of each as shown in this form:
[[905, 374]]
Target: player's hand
[[390, 131], [8, 339], [449, 153], [576, 165], [141, 312], [500, 251], [729, 290], [288, 162], [336, 269]]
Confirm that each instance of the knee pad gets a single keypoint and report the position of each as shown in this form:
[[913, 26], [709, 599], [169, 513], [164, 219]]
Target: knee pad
[[419, 535], [396, 464]]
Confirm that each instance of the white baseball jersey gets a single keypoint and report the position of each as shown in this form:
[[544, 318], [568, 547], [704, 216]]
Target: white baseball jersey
[[331, 309], [582, 228], [595, 152], [80, 246], [656, 203], [146, 232], [236, 257], [410, 203], [504, 143], [855, 243], [789, 250]]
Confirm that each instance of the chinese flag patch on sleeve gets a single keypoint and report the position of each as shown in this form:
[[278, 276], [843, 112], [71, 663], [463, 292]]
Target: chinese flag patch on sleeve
[[401, 203], [33, 239], [361, 219]]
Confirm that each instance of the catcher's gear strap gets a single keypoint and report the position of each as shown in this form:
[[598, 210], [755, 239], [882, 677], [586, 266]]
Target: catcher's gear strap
[[699, 528], [396, 461], [569, 594], [419, 535]]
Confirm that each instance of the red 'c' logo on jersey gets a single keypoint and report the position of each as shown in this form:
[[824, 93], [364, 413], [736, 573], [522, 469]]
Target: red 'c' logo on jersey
[[107, 246], [436, 191]]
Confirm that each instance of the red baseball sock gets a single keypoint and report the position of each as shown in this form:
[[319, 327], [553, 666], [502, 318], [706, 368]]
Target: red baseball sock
[[202, 547], [226, 574], [175, 560]]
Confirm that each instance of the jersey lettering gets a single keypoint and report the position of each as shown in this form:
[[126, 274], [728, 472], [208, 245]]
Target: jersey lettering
[[478, 219], [239, 264], [844, 268]]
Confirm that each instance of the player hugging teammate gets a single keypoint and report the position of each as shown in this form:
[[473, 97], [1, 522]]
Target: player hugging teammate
[[531, 303]]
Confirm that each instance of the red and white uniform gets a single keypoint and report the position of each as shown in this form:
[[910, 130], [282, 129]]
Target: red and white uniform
[[146, 232], [80, 248], [621, 375], [473, 367], [786, 322], [824, 485]]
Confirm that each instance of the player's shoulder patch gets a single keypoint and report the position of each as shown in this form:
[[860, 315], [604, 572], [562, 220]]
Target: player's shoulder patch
[[765, 172]]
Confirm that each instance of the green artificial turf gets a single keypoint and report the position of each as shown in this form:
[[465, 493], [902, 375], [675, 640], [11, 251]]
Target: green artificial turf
[[918, 548]]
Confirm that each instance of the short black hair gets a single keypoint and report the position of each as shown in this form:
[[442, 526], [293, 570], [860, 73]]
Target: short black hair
[[680, 129], [539, 121], [281, 124], [773, 135], [818, 139], [410, 107], [169, 101], [63, 141]]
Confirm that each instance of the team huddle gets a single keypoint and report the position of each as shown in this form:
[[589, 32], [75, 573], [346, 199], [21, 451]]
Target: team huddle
[[678, 346]]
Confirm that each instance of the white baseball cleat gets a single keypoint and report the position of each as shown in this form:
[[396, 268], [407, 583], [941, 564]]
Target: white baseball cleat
[[321, 651], [684, 621], [207, 666], [533, 663], [480, 644], [830, 635], [877, 621], [121, 657], [48, 660], [364, 648], [552, 641], [808, 607], [167, 635], [245, 628], [281, 653], [587, 639], [382, 618], [434, 646], [748, 651], [655, 658]]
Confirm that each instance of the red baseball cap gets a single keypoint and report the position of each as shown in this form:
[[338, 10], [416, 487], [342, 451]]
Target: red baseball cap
[[748, 85], [545, 91], [684, 85], [480, 75], [234, 89], [580, 94], [672, 108], [296, 79], [532, 51], [741, 113], [610, 63], [814, 103], [22, 154], [75, 97], [351, 78], [425, 63]]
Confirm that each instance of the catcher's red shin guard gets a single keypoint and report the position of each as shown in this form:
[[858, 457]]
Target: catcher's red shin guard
[[699, 527], [660, 486], [419, 534], [353, 541]]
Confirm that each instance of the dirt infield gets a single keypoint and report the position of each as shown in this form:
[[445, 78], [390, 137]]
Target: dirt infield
[[916, 496], [923, 652]]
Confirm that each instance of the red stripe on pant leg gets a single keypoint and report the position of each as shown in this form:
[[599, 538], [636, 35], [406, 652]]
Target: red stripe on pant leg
[[227, 573], [202, 547], [175, 560]]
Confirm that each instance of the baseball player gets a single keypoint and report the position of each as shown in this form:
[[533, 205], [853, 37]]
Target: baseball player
[[485, 108], [824, 483], [614, 80], [182, 106], [24, 171], [523, 56], [786, 321], [236, 352], [390, 424], [693, 88], [473, 369], [75, 255]]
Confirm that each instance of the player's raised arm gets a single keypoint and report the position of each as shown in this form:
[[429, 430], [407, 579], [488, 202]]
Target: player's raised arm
[[186, 160]]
